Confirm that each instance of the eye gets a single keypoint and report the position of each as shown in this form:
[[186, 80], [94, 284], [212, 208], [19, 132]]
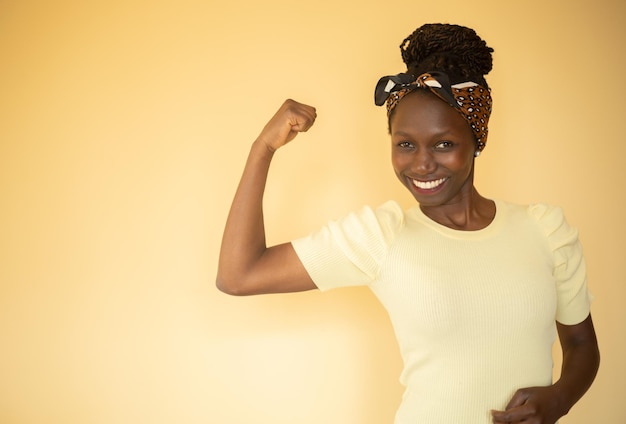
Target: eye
[[405, 145], [443, 145]]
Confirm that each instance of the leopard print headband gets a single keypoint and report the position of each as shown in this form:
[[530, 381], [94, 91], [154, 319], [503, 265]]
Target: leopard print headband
[[470, 99]]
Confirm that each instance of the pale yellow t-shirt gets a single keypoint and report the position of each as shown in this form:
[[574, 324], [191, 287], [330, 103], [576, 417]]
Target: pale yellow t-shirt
[[473, 311]]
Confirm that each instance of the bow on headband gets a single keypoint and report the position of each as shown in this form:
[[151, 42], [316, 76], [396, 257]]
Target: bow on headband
[[471, 100]]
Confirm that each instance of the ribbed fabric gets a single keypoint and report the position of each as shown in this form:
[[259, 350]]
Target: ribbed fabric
[[473, 311]]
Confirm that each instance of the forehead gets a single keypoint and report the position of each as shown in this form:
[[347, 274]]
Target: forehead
[[422, 111]]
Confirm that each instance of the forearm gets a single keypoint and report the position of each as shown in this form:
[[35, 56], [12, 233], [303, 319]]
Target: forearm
[[243, 241], [581, 360]]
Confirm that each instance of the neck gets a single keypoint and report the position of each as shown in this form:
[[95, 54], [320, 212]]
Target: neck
[[469, 213]]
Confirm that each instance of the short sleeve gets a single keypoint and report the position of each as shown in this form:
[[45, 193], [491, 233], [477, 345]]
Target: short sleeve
[[569, 269], [349, 251]]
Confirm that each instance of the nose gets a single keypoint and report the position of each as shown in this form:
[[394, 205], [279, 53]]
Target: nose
[[424, 163]]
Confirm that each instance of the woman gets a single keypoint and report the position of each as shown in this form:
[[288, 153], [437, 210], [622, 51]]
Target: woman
[[476, 289]]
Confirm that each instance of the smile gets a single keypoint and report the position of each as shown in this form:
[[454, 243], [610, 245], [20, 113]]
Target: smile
[[428, 185]]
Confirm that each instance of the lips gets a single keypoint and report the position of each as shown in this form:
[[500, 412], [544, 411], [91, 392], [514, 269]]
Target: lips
[[428, 185]]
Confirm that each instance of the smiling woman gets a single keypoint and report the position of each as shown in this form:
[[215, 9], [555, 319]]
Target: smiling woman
[[124, 126], [433, 151], [475, 288]]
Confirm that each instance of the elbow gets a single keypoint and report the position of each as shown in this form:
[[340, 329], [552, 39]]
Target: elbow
[[231, 286]]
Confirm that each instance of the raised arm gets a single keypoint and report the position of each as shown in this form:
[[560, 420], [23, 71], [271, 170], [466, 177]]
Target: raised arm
[[246, 265], [545, 405]]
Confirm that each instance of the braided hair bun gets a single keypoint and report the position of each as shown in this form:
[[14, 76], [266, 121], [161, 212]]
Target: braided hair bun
[[453, 49]]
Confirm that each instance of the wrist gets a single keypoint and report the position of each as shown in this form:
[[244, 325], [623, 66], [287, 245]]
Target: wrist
[[262, 149], [562, 398]]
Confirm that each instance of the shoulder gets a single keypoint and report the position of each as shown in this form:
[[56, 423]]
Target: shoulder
[[543, 215], [349, 250], [550, 222], [390, 214], [385, 220], [367, 226], [546, 214]]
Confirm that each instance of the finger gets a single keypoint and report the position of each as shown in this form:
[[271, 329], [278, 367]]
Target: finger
[[303, 118], [497, 420], [298, 108], [301, 123], [519, 398], [513, 415], [296, 116]]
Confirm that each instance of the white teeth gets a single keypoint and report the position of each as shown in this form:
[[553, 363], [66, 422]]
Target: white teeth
[[428, 185]]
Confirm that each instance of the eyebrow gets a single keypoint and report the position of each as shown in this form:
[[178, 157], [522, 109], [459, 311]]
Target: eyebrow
[[400, 133], [443, 133]]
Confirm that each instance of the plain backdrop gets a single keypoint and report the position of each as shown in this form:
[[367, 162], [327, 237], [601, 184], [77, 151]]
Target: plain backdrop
[[124, 126]]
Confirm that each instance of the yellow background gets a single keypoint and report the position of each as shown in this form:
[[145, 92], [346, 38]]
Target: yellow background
[[124, 126]]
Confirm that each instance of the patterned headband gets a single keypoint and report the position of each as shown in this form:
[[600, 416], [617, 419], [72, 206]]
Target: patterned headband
[[471, 100]]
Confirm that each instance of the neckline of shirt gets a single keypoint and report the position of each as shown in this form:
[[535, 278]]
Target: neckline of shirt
[[489, 230]]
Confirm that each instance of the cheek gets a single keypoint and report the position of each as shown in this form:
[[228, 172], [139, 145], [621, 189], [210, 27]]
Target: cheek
[[463, 160], [399, 162]]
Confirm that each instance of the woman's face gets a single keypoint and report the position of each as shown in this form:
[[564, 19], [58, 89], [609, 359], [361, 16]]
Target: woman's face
[[432, 150]]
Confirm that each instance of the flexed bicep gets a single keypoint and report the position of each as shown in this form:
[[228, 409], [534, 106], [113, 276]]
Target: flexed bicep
[[246, 264]]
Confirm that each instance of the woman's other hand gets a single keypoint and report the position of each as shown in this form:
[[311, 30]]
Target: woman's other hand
[[533, 405]]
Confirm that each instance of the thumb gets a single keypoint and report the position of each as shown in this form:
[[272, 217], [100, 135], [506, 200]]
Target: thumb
[[519, 398]]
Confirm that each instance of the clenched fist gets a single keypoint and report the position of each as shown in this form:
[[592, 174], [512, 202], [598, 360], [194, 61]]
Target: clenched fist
[[291, 119]]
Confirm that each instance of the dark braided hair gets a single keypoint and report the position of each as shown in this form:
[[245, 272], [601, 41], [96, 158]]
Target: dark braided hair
[[456, 50]]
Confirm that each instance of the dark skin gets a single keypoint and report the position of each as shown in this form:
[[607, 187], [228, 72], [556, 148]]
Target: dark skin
[[433, 156], [433, 147]]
